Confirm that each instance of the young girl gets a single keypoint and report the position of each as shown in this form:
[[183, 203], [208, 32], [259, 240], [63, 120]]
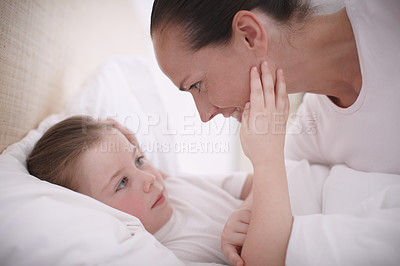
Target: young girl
[[103, 161], [95, 158]]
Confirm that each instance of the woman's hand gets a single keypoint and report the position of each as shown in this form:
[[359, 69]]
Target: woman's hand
[[263, 136], [262, 133], [233, 235]]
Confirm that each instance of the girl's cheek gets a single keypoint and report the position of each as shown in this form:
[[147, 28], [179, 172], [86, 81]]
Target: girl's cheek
[[133, 205]]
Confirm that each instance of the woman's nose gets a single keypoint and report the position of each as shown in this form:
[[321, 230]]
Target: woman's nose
[[208, 114], [204, 107]]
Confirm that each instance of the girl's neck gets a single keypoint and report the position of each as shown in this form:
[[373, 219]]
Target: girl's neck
[[320, 56]]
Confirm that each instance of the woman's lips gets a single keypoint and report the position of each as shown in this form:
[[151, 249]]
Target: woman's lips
[[160, 200], [239, 118], [237, 114]]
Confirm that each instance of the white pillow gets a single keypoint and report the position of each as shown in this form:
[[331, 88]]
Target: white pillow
[[45, 224], [124, 90]]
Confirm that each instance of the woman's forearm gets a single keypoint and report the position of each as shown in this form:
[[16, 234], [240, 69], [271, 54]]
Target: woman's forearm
[[247, 189], [271, 221]]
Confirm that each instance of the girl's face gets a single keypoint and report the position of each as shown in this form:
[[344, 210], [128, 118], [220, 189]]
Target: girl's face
[[217, 77], [115, 173]]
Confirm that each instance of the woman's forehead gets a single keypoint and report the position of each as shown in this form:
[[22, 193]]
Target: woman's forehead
[[173, 58]]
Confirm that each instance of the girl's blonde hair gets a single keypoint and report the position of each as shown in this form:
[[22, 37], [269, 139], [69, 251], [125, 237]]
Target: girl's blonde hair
[[54, 157]]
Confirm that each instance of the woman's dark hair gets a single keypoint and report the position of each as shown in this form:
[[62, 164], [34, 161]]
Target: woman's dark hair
[[55, 155], [206, 22]]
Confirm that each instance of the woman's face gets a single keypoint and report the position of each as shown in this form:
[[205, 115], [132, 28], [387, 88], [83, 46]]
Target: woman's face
[[115, 173], [217, 77]]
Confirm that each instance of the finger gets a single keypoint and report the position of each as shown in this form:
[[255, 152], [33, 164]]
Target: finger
[[245, 116], [256, 90], [238, 238], [281, 94], [238, 261], [242, 227], [287, 107], [268, 85], [245, 216], [231, 253]]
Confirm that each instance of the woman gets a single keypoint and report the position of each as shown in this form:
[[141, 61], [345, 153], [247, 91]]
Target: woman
[[348, 60]]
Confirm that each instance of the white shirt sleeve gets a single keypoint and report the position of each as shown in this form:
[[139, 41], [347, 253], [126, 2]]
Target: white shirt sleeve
[[231, 183]]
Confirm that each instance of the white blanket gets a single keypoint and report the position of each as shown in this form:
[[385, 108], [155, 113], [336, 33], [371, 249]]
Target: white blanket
[[359, 219]]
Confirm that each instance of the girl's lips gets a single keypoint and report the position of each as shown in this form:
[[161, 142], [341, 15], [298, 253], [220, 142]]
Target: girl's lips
[[160, 200]]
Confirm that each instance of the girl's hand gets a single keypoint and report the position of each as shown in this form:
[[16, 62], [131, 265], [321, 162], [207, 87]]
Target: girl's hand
[[233, 235], [262, 133]]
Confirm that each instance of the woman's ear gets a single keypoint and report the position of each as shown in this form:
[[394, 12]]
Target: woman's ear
[[248, 30]]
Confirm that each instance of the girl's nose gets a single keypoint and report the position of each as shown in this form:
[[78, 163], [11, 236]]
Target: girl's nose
[[148, 181]]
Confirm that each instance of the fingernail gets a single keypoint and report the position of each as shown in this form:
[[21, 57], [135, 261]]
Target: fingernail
[[254, 69], [280, 71], [247, 106], [265, 63]]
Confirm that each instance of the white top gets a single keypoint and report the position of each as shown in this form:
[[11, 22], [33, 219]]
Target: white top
[[360, 220], [366, 135], [201, 208]]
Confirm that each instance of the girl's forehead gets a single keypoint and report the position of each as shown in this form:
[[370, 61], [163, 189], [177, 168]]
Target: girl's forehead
[[118, 142]]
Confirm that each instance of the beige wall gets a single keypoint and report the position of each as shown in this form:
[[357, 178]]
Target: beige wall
[[48, 47]]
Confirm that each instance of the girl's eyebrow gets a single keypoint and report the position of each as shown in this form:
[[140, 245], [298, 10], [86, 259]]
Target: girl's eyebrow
[[116, 174]]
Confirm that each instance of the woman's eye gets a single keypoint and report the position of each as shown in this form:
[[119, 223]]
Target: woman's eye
[[197, 86], [122, 183], [139, 161]]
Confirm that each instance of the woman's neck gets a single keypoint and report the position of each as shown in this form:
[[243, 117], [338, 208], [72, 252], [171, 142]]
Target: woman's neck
[[320, 57]]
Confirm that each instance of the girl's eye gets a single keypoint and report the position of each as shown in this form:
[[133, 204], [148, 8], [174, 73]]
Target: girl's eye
[[139, 161], [122, 183], [197, 86]]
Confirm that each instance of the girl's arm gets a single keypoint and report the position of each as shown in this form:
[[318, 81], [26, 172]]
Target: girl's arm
[[237, 225], [262, 135]]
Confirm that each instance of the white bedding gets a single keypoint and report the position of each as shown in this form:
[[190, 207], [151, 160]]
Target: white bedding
[[44, 224], [358, 222]]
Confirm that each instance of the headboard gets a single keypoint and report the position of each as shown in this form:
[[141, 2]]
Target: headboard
[[47, 49]]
